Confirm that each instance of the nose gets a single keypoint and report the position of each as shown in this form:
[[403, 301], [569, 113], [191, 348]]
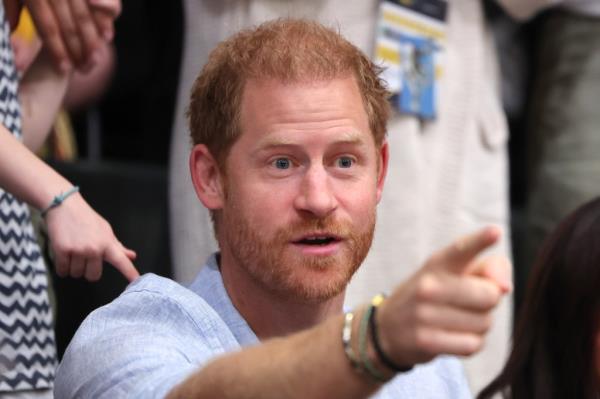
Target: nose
[[316, 195]]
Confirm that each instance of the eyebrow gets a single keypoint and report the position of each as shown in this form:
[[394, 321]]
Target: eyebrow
[[351, 137]]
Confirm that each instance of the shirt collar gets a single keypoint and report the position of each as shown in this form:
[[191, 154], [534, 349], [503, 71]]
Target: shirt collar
[[209, 285]]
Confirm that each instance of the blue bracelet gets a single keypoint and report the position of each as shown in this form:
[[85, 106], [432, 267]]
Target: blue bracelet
[[59, 199]]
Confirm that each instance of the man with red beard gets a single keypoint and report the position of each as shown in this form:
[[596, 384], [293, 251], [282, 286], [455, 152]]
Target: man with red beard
[[288, 125]]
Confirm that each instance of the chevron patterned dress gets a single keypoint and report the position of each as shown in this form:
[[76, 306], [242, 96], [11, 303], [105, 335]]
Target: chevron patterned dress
[[27, 347]]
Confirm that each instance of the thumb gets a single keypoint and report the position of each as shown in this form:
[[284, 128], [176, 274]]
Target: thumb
[[497, 269], [457, 257]]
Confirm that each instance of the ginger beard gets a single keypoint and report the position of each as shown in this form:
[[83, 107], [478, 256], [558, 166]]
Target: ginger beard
[[273, 264]]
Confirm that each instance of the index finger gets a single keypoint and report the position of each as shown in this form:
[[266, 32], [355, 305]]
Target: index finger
[[457, 256], [116, 257], [49, 31]]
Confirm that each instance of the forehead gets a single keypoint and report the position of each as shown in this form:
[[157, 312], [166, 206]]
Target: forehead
[[270, 106]]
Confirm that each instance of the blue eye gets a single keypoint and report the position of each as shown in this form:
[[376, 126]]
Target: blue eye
[[345, 162], [282, 163]]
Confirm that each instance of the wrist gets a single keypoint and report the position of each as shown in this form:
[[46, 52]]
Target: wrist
[[58, 200], [381, 346]]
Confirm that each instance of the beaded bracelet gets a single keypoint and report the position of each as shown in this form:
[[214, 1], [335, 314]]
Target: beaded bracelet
[[347, 340], [59, 199]]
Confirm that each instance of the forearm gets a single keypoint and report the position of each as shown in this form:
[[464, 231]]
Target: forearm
[[26, 176], [41, 93], [310, 364]]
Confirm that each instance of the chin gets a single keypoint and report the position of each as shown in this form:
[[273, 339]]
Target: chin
[[313, 285]]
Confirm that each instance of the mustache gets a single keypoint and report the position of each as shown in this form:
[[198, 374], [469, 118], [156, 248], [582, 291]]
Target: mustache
[[330, 225]]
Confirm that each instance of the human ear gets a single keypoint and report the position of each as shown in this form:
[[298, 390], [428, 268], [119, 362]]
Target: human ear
[[382, 168], [206, 177]]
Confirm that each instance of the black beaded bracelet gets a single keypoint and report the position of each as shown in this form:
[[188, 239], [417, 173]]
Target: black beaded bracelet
[[389, 363]]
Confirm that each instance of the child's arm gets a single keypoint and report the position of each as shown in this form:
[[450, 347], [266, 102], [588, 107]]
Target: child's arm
[[79, 237], [41, 92]]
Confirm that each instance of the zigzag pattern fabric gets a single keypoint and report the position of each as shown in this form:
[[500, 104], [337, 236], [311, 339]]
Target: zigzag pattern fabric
[[27, 346]]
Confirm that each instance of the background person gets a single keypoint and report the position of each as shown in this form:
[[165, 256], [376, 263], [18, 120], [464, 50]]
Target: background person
[[556, 346]]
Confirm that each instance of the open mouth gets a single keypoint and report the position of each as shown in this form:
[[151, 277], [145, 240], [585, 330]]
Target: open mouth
[[320, 240]]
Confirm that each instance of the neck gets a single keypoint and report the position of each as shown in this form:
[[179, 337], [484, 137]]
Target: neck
[[269, 314]]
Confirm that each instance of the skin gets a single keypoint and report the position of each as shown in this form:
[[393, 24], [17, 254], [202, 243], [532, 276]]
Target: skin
[[445, 308], [79, 238], [73, 31], [305, 165]]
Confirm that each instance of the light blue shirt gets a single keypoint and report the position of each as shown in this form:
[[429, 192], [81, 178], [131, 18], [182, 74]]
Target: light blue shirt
[[158, 332]]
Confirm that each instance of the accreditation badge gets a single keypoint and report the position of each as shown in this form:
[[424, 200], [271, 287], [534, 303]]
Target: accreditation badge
[[410, 42]]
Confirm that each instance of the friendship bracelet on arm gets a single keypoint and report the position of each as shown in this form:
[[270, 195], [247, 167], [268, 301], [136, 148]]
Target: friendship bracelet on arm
[[363, 333], [385, 359], [59, 199], [368, 326]]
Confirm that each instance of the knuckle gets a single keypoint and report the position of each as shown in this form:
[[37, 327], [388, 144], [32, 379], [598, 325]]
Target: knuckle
[[427, 288], [62, 247], [48, 32], [102, 18], [473, 345], [490, 296], [483, 324], [61, 269], [69, 30], [423, 340], [487, 322], [82, 15], [421, 313], [93, 251]]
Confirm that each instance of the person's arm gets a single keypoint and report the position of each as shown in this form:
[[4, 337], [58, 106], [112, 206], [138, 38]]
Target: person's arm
[[445, 308], [79, 237], [310, 364], [41, 91], [73, 30]]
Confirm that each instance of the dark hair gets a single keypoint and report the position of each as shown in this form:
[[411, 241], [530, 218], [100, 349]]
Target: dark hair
[[553, 344]]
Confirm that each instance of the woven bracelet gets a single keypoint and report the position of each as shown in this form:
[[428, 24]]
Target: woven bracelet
[[59, 199], [366, 363], [389, 363]]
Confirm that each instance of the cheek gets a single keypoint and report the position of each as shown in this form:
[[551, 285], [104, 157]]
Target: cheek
[[266, 207], [359, 199]]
